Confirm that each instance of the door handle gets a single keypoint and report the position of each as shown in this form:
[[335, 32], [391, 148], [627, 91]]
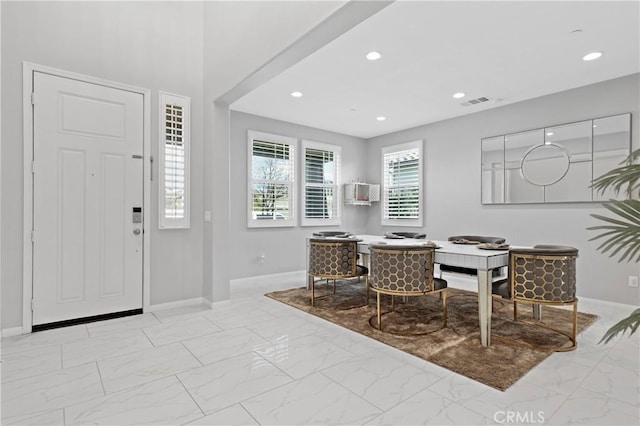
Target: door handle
[[136, 231]]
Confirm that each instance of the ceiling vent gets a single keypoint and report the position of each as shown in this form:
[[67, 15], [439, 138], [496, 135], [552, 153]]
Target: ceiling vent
[[475, 101]]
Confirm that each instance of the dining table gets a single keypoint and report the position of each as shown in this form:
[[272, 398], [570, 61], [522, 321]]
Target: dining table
[[484, 261]]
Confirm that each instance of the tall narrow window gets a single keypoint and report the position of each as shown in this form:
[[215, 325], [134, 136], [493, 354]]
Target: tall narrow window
[[173, 168], [271, 180], [402, 181], [321, 197]]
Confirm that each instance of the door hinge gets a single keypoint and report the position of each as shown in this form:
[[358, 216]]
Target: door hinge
[[33, 304], [33, 98], [33, 167], [33, 236]]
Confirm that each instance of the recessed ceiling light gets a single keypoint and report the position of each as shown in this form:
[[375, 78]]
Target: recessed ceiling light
[[459, 95], [549, 133], [296, 94], [591, 56], [381, 118], [374, 56]]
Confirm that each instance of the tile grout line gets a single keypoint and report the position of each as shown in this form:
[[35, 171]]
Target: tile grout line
[[382, 411], [148, 338], [250, 415], [190, 396], [202, 364], [104, 390]]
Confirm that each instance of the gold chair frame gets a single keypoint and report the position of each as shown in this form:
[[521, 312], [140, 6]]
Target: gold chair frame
[[330, 267], [429, 253], [519, 294]]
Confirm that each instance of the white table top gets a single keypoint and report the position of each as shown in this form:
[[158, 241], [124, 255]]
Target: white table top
[[464, 255]]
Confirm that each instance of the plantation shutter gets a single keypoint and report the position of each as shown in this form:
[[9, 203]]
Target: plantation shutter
[[321, 196], [402, 183], [174, 161], [272, 179]]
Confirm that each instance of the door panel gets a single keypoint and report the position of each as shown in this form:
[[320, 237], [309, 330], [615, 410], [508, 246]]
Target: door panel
[[112, 226], [88, 143], [70, 226]]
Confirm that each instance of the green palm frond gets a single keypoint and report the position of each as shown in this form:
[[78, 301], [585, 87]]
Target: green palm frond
[[624, 177], [621, 234], [631, 322]]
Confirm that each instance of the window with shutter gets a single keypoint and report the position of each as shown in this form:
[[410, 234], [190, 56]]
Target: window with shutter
[[321, 198], [402, 184], [271, 180], [173, 168]]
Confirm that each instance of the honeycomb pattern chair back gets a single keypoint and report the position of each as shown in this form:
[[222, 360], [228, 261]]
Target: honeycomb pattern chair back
[[544, 274], [401, 269], [332, 259]]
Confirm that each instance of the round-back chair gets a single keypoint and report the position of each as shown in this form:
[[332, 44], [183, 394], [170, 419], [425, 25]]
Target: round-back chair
[[334, 259], [400, 270], [542, 275]]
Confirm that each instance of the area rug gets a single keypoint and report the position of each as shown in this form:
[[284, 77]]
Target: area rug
[[416, 327]]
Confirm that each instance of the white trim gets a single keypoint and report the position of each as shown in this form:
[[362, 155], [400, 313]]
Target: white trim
[[12, 331], [196, 301], [293, 142], [185, 103], [337, 150], [28, 69], [404, 222], [278, 275]]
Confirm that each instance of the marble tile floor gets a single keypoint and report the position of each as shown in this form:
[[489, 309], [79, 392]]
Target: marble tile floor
[[254, 361]]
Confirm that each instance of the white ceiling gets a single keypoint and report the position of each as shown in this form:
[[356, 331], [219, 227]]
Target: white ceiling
[[505, 51]]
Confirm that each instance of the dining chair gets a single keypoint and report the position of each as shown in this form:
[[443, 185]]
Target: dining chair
[[334, 259], [544, 275], [401, 270]]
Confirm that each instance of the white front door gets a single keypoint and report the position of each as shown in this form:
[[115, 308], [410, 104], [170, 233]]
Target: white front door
[[87, 184]]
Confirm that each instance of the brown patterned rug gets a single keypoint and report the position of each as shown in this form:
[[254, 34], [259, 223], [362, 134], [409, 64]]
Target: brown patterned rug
[[416, 327]]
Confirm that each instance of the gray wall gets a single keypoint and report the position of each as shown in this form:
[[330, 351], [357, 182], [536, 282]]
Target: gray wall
[[166, 46], [239, 38], [283, 247], [452, 181], [158, 46]]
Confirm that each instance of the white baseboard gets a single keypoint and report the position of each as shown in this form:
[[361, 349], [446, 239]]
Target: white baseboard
[[13, 331], [196, 301], [276, 276], [622, 306]]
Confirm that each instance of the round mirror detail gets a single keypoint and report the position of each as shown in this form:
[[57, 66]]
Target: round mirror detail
[[545, 164]]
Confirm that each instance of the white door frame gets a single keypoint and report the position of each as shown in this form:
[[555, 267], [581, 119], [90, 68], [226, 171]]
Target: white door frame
[[27, 119]]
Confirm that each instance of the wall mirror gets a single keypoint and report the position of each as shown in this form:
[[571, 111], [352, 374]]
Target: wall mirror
[[554, 164]]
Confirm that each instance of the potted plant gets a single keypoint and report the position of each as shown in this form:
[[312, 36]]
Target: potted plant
[[621, 233]]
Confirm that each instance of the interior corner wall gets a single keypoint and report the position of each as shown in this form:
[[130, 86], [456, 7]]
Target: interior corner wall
[[152, 45], [452, 181], [283, 248], [1, 203]]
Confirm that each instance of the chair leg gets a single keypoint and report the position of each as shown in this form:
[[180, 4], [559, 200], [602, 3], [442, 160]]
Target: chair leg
[[378, 305], [334, 286], [537, 311], [443, 296], [313, 289], [366, 283], [393, 303], [515, 311], [575, 323]]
